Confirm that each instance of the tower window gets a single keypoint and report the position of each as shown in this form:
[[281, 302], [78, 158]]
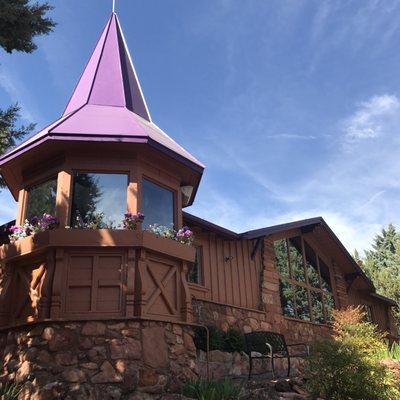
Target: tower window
[[99, 200], [41, 199], [157, 205]]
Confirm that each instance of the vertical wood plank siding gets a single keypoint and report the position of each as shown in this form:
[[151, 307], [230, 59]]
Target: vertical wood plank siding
[[229, 274]]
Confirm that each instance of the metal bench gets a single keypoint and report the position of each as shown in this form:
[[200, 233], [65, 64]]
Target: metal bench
[[271, 345]]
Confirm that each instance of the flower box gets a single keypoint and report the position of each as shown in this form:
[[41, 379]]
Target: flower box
[[97, 238]]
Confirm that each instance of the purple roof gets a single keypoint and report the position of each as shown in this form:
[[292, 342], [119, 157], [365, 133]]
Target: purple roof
[[107, 104]]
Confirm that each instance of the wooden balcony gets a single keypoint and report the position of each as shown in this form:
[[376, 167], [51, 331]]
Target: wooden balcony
[[94, 274]]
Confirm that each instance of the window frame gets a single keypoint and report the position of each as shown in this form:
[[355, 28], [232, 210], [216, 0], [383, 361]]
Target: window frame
[[306, 285], [199, 248], [33, 185], [75, 171], [166, 187], [369, 313]]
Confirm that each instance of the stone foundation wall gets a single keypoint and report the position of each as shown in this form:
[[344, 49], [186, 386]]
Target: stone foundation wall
[[98, 360], [223, 316], [122, 359]]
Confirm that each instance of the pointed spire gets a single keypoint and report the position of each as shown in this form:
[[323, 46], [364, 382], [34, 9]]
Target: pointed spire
[[108, 105], [109, 78]]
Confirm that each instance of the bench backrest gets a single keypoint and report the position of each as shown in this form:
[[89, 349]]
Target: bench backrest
[[256, 341]]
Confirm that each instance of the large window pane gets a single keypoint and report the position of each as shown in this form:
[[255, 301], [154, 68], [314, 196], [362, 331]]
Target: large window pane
[[311, 266], [99, 200], [325, 276], [286, 292], [329, 303], [42, 199], [317, 307], [296, 259], [157, 205], [302, 305], [281, 257], [305, 284]]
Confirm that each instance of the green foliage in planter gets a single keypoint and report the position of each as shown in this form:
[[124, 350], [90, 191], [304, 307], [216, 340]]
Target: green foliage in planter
[[348, 366], [10, 390], [233, 341], [203, 389], [216, 338]]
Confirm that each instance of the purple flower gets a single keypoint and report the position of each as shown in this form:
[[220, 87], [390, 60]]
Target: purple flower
[[34, 221], [132, 220]]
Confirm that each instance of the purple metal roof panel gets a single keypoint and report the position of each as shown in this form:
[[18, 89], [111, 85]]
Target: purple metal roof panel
[[108, 86], [80, 96], [103, 123], [101, 120]]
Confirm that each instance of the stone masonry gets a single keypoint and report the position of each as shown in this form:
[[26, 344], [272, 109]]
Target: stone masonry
[[98, 360]]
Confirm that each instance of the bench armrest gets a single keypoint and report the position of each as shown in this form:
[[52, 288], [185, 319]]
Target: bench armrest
[[262, 355]]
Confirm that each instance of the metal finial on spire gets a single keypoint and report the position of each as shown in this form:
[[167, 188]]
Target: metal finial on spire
[[113, 6]]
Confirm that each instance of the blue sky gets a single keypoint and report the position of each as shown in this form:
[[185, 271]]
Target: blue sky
[[293, 106]]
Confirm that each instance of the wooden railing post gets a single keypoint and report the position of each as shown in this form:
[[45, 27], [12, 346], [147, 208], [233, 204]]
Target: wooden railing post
[[6, 284], [140, 287], [186, 309], [130, 284], [46, 287], [55, 307]]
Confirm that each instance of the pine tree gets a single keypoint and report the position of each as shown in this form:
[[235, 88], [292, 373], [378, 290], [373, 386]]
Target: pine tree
[[20, 22], [382, 264], [9, 133]]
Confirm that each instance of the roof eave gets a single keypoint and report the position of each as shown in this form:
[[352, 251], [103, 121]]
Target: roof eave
[[197, 167]]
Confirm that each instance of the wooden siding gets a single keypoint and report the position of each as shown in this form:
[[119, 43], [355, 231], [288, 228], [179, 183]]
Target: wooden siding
[[230, 276], [380, 311]]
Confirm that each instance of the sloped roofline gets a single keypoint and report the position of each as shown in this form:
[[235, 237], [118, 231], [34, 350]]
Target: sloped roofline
[[270, 230]]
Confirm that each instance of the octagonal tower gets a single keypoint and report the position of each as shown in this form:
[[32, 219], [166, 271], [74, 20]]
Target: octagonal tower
[[102, 158]]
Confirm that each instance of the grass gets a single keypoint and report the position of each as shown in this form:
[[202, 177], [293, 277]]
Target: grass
[[10, 390], [203, 389], [393, 352]]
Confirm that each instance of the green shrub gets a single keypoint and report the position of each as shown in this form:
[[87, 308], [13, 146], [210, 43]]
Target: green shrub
[[233, 341], [10, 390], [348, 366], [216, 338], [202, 389], [230, 341]]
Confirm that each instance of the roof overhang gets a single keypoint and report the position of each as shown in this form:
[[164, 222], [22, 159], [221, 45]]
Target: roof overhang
[[384, 299]]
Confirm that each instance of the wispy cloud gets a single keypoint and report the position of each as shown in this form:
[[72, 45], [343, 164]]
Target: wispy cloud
[[357, 192], [289, 136], [373, 118], [17, 92]]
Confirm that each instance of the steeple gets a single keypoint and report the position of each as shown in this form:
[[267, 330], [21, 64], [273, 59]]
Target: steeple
[[109, 78], [107, 105]]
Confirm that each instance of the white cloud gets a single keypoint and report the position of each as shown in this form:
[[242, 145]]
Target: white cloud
[[373, 118]]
